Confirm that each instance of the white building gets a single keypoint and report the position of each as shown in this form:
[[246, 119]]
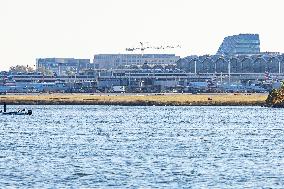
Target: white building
[[114, 61]]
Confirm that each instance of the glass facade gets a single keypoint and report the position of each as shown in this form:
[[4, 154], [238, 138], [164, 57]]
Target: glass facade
[[240, 44], [60, 65]]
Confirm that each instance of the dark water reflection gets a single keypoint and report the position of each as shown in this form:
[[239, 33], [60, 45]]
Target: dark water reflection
[[143, 147]]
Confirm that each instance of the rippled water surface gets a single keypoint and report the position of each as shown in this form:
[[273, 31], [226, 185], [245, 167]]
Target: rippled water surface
[[143, 147]]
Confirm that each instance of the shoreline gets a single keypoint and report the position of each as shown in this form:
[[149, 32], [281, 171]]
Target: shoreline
[[138, 99]]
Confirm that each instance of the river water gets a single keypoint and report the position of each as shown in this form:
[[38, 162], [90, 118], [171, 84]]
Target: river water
[[142, 147]]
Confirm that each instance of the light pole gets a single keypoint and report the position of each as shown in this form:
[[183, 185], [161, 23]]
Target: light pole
[[195, 66], [229, 70], [230, 62], [195, 69], [220, 58], [280, 65]]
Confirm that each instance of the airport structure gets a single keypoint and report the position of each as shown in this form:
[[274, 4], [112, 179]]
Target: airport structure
[[240, 44], [238, 66], [118, 61], [63, 66]]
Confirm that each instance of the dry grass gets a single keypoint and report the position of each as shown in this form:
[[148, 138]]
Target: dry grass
[[138, 99]]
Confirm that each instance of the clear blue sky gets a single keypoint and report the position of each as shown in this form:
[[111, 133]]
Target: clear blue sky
[[82, 28]]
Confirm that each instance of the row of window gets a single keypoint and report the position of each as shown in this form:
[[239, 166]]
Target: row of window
[[129, 61]]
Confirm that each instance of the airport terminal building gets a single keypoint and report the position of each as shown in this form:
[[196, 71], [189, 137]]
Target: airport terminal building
[[237, 54], [240, 44], [117, 61], [62, 66]]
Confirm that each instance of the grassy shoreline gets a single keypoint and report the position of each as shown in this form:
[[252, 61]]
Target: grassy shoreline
[[136, 99]]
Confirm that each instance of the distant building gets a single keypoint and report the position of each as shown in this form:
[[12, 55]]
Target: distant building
[[63, 66], [114, 61], [257, 63], [240, 44]]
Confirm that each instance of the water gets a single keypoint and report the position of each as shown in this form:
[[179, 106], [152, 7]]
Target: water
[[142, 147]]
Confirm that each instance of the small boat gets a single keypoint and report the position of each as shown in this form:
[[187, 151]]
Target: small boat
[[19, 112]]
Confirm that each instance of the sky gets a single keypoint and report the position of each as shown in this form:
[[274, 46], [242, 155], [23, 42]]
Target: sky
[[31, 29]]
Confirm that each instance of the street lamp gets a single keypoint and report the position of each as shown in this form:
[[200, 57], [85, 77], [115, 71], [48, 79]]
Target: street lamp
[[195, 66], [229, 70], [195, 69], [229, 66], [280, 61]]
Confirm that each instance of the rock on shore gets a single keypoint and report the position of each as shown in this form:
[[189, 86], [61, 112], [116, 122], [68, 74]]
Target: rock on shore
[[276, 98]]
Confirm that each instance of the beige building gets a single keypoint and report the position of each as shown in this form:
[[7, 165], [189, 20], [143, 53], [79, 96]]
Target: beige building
[[115, 61]]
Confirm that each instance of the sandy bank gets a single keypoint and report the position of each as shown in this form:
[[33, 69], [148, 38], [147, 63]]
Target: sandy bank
[[137, 99]]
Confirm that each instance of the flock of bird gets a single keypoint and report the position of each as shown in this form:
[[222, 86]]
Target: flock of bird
[[142, 48]]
